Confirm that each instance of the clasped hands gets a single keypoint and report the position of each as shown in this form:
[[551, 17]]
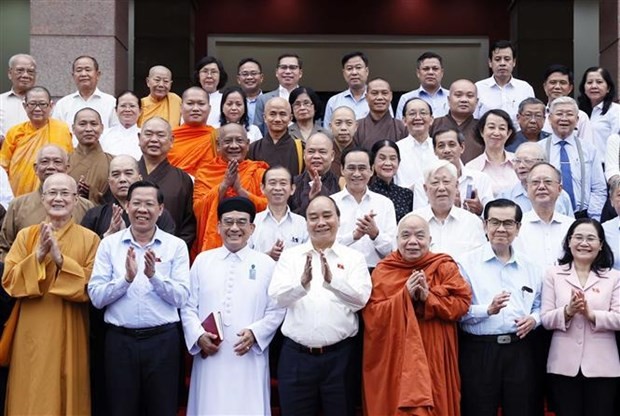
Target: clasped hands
[[48, 245], [131, 265], [244, 343], [417, 286], [366, 225], [306, 276], [578, 304]]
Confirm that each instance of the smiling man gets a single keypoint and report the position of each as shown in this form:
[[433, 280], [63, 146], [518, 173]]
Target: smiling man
[[89, 164], [160, 101], [250, 77], [322, 284], [22, 142], [22, 74]]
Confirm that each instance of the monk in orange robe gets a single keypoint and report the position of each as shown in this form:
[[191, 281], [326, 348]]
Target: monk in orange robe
[[194, 142], [410, 337], [23, 141], [160, 102], [230, 174]]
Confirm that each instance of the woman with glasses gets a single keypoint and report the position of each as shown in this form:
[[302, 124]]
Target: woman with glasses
[[581, 304], [307, 112], [495, 129], [212, 77], [234, 109], [123, 137], [385, 158]]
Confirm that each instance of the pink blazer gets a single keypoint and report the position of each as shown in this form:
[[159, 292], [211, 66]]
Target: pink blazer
[[581, 344]]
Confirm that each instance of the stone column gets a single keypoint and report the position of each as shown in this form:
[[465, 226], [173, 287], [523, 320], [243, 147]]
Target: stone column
[[61, 30], [609, 33]]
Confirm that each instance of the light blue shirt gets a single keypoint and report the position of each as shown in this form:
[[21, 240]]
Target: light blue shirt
[[437, 101], [488, 276], [595, 186], [145, 302], [612, 235], [345, 98], [518, 194]]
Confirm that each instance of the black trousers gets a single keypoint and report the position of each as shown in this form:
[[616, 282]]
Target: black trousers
[[583, 396], [142, 370], [494, 375], [309, 382]]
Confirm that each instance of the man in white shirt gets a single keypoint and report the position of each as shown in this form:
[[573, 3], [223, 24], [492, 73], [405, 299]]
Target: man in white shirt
[[454, 231], [612, 227], [86, 74], [502, 90], [543, 228], [416, 150], [429, 70], [475, 188], [277, 227], [368, 222], [23, 76], [322, 284], [288, 72], [355, 72]]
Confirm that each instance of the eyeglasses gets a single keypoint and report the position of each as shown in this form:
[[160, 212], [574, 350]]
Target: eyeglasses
[[421, 113], [496, 223], [210, 71], [32, 105], [537, 182], [590, 239], [251, 74], [62, 194], [128, 106], [526, 161], [288, 67], [299, 104], [564, 114], [536, 116], [229, 222], [22, 71]]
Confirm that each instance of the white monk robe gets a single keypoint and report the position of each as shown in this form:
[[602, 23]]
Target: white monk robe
[[236, 285]]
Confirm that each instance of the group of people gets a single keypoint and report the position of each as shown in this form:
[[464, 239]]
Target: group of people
[[443, 258]]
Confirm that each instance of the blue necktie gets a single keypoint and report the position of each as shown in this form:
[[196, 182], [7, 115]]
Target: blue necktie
[[567, 176]]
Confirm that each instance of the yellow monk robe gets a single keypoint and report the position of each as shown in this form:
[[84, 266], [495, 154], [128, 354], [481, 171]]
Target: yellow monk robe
[[49, 373], [20, 147], [169, 109], [206, 197], [193, 148]]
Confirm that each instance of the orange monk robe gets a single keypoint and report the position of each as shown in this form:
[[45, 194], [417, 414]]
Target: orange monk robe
[[49, 372], [20, 147], [410, 350], [168, 108], [206, 197], [193, 148]]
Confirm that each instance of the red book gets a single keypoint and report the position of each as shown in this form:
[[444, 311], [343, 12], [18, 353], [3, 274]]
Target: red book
[[213, 324]]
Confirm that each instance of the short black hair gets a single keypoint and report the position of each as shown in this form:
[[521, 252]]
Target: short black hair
[[328, 197], [460, 137], [430, 108], [350, 55], [246, 60], [275, 167], [344, 154], [562, 69], [499, 113], [244, 121], [128, 92], [146, 184], [95, 63], [291, 55], [503, 203], [211, 60], [605, 258], [502, 44], [429, 55]]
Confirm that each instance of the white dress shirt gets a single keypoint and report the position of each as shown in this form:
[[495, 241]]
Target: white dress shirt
[[414, 157], [345, 98], [603, 126], [595, 192], [144, 303], [291, 229], [6, 193], [118, 140], [612, 157], [518, 194], [612, 235], [215, 101], [103, 103], [507, 98], [488, 276], [11, 111], [437, 101], [539, 242], [479, 181], [385, 218], [323, 314], [459, 233]]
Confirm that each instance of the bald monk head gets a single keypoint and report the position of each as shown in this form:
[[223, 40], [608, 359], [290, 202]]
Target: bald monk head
[[38, 106], [233, 142], [59, 196], [343, 126], [195, 107], [277, 116], [123, 172], [87, 127], [319, 153], [159, 82], [155, 140], [414, 237], [50, 159]]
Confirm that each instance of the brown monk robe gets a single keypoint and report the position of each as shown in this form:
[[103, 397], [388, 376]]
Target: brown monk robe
[[410, 339]]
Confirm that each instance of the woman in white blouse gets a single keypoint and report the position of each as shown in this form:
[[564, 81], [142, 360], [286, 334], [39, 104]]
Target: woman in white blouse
[[234, 109]]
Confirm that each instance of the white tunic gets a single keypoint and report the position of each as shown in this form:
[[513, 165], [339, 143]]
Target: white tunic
[[236, 285]]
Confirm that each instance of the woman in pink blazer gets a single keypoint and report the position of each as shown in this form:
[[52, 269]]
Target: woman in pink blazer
[[581, 304]]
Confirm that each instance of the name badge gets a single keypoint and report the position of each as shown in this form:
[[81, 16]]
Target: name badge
[[252, 273]]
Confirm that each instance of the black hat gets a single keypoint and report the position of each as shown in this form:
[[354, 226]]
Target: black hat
[[236, 203]]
